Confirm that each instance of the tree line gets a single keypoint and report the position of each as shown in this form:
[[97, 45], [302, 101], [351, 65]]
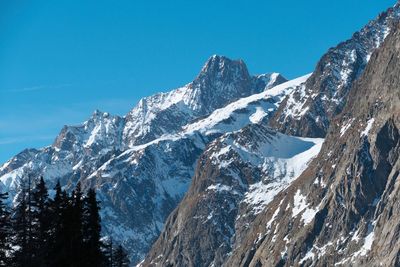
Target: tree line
[[63, 230]]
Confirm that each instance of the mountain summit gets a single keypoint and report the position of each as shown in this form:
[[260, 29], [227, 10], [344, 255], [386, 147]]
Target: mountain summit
[[221, 81]]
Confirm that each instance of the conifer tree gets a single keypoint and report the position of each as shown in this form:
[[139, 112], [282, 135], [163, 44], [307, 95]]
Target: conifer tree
[[41, 223], [56, 245], [63, 231], [56, 207], [23, 226], [92, 230], [5, 231], [60, 207], [107, 251], [74, 224], [120, 258], [22, 256]]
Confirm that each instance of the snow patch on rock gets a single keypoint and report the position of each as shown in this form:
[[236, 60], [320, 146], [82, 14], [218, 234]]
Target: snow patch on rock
[[367, 128]]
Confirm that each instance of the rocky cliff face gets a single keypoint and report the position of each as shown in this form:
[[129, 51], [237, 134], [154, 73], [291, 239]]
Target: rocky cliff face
[[236, 177], [142, 164], [245, 207], [308, 111], [343, 210]]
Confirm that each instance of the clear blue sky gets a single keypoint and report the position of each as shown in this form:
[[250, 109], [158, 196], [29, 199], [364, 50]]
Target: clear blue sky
[[60, 60]]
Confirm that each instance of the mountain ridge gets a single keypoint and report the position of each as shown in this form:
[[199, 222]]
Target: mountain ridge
[[156, 166], [250, 242], [226, 140], [362, 149], [308, 112]]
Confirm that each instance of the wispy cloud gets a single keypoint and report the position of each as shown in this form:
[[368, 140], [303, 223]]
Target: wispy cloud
[[44, 124], [15, 122], [23, 139], [38, 88]]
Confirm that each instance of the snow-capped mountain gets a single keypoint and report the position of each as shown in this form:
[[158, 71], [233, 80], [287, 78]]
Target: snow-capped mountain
[[243, 209], [142, 164], [221, 81], [212, 169], [309, 110]]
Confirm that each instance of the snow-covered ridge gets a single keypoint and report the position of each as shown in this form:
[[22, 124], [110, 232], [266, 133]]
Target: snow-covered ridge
[[280, 158], [102, 132], [257, 105], [211, 124], [220, 82], [101, 129]]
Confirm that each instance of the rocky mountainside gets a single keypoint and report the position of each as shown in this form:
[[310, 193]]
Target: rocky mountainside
[[344, 209], [142, 164], [309, 110], [236, 177], [218, 166], [246, 207]]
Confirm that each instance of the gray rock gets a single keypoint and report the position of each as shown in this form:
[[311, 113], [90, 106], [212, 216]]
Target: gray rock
[[308, 111], [348, 195]]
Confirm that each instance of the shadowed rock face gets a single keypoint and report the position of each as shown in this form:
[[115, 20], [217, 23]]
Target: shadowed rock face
[[344, 208], [308, 111], [236, 177]]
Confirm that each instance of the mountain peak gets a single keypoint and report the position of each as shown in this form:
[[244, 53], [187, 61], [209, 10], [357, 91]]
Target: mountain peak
[[221, 80], [268, 80], [98, 113], [223, 67]]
